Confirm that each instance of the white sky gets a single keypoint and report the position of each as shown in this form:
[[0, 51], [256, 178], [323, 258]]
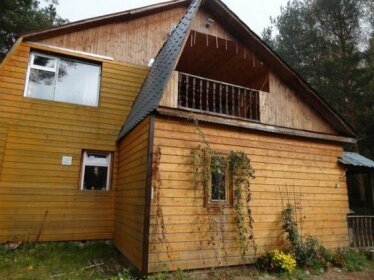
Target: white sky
[[254, 13]]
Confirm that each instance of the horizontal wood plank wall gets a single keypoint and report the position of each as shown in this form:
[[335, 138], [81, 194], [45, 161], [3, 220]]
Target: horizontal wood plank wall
[[135, 41], [3, 134], [130, 193], [170, 95], [283, 107], [282, 165], [39, 196]]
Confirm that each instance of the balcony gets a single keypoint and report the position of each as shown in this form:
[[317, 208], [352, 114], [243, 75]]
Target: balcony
[[216, 97]]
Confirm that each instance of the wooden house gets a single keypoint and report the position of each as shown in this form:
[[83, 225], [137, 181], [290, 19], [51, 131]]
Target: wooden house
[[96, 142]]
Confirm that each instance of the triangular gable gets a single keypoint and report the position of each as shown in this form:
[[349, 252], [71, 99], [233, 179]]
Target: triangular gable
[[155, 83]]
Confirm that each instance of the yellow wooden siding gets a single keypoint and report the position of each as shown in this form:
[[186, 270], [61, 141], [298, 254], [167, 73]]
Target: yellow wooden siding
[[39, 197], [282, 164], [3, 133], [130, 193]]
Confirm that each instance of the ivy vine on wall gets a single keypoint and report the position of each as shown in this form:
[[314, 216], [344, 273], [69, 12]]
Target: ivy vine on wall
[[241, 173]]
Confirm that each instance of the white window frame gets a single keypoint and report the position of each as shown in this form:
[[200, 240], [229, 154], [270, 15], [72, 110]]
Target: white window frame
[[55, 70], [94, 162]]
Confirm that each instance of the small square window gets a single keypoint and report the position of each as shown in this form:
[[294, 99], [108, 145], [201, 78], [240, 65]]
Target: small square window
[[96, 168], [219, 182]]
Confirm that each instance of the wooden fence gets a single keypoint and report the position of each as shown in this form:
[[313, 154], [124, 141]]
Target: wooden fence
[[361, 231]]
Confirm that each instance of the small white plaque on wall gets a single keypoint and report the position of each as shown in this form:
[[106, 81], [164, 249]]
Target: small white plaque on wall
[[66, 160]]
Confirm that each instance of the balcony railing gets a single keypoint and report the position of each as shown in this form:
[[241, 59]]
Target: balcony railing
[[217, 97], [361, 231]]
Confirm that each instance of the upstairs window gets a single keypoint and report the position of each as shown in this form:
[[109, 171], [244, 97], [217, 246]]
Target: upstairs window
[[96, 168], [63, 79]]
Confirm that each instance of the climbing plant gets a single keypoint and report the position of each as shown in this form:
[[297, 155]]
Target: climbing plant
[[241, 172], [159, 230]]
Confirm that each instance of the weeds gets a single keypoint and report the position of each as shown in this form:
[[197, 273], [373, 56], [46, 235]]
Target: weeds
[[60, 260]]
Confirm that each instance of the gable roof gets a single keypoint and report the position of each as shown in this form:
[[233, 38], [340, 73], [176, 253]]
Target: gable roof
[[156, 81], [157, 78]]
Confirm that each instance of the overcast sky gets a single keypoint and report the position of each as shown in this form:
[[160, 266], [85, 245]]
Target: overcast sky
[[254, 13]]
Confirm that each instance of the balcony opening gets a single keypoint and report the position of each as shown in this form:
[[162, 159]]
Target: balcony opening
[[220, 77], [223, 60]]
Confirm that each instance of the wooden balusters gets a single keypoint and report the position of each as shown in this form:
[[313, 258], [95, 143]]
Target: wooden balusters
[[227, 100], [201, 94], [214, 96], [187, 88], [232, 101], [217, 97], [207, 108], [220, 98], [193, 91], [180, 90]]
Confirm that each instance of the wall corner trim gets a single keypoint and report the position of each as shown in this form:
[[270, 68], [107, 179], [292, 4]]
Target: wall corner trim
[[148, 194]]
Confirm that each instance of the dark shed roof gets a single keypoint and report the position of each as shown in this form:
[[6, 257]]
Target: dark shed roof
[[356, 160], [159, 74]]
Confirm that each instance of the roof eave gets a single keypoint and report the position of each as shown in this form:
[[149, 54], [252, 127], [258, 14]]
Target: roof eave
[[100, 20]]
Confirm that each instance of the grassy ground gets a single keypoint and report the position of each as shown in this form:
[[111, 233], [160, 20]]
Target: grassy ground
[[100, 260], [57, 260]]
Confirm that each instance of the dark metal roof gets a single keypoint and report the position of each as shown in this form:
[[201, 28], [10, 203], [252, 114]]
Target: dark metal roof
[[356, 160], [159, 74]]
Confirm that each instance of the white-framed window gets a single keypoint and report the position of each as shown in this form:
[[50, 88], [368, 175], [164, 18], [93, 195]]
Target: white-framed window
[[96, 170], [63, 79]]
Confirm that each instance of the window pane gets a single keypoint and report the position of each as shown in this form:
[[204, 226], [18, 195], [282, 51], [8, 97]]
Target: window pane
[[218, 186], [95, 178], [44, 61], [78, 83], [41, 84], [218, 178], [97, 159]]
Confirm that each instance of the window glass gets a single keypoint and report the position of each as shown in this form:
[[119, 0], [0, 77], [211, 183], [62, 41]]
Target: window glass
[[77, 82], [95, 178], [64, 80], [218, 178], [44, 61], [41, 84], [95, 171]]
